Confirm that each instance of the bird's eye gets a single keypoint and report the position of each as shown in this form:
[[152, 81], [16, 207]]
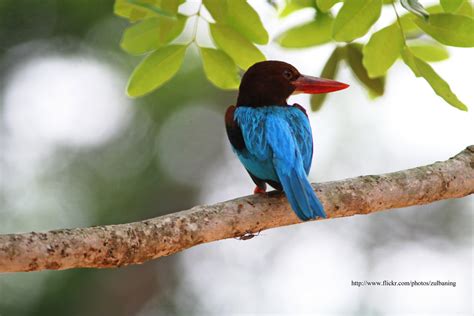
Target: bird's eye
[[287, 74]]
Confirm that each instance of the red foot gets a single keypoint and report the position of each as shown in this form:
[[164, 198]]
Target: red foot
[[259, 190]]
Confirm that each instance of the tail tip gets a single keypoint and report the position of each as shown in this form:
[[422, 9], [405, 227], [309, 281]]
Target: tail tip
[[320, 214]]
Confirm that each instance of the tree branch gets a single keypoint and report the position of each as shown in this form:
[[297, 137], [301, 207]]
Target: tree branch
[[119, 245]]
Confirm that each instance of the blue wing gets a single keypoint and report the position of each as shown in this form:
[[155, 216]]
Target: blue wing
[[256, 156], [301, 129], [278, 147]]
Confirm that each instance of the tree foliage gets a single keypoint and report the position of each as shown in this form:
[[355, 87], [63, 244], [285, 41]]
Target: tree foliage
[[418, 37]]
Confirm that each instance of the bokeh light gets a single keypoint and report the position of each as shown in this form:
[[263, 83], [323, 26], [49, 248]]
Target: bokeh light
[[187, 140], [74, 101]]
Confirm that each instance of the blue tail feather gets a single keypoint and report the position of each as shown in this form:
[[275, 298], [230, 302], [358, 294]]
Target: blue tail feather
[[301, 196], [292, 197]]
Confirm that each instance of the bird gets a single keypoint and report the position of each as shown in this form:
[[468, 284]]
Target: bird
[[273, 139]]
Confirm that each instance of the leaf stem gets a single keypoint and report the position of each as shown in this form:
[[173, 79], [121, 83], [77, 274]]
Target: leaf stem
[[399, 24]]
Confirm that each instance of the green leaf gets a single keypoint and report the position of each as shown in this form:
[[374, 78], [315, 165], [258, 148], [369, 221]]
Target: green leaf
[[326, 5], [171, 28], [355, 19], [151, 34], [329, 72], [407, 20], [217, 8], [466, 9], [220, 69], [239, 15], [242, 17], [141, 37], [382, 50], [451, 6], [150, 6], [155, 69], [127, 10], [170, 5], [430, 52], [449, 29], [295, 5], [239, 48], [354, 58], [422, 69], [136, 10], [415, 7], [316, 32]]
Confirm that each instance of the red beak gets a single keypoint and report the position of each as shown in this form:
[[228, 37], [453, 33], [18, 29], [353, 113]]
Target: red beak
[[315, 85]]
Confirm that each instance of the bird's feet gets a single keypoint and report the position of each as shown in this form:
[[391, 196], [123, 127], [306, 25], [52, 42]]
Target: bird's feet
[[260, 190]]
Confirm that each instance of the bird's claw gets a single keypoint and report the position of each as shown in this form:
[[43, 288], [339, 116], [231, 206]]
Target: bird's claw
[[259, 190]]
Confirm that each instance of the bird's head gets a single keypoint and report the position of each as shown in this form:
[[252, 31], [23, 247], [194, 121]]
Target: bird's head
[[272, 82]]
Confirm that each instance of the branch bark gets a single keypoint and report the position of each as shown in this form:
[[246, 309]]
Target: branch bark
[[134, 243]]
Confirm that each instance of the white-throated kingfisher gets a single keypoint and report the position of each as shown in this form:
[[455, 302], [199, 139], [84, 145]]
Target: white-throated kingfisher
[[273, 139]]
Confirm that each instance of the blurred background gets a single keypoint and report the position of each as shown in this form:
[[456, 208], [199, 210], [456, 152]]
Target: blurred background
[[75, 151]]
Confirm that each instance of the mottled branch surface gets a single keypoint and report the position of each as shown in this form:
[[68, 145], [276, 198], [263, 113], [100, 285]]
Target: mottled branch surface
[[125, 244]]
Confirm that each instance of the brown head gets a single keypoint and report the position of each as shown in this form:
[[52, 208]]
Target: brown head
[[272, 82]]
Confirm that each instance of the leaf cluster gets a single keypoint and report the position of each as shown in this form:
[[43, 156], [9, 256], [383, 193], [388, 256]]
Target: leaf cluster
[[235, 30], [418, 37]]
